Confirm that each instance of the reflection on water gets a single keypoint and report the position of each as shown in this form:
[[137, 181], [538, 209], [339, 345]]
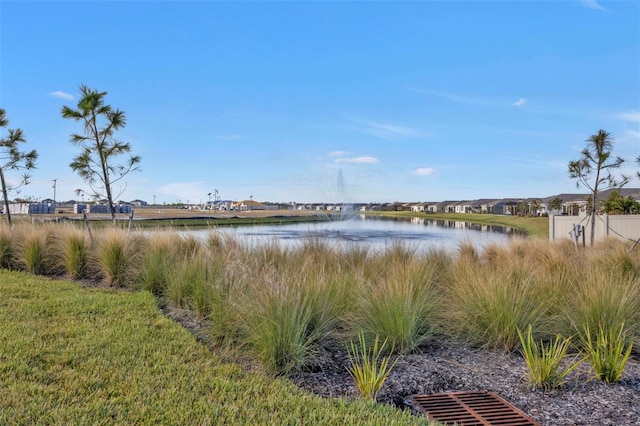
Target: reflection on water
[[379, 233]]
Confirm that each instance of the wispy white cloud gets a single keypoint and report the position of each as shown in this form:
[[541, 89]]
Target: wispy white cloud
[[632, 134], [392, 131], [633, 116], [233, 137], [519, 102], [358, 160], [471, 100], [338, 153], [424, 171], [62, 95], [457, 97], [592, 4], [386, 130]]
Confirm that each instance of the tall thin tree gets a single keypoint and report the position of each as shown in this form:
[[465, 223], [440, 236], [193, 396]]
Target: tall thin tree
[[96, 164], [594, 169], [11, 158]]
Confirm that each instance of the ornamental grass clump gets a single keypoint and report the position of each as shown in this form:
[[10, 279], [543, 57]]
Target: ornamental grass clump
[[115, 258], [157, 262], [401, 304], [7, 248], [368, 367], [74, 248], [488, 306], [607, 297], [32, 250], [545, 361], [279, 331], [286, 313], [608, 352]]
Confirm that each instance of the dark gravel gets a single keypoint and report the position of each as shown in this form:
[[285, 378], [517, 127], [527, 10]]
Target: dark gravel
[[451, 366], [448, 366]]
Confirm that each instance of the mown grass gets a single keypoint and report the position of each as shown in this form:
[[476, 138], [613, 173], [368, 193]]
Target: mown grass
[[533, 226], [96, 356]]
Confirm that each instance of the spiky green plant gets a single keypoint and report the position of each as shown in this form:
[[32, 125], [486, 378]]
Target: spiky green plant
[[368, 367], [545, 361], [608, 352]]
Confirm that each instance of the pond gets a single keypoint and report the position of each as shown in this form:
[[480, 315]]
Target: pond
[[378, 233]]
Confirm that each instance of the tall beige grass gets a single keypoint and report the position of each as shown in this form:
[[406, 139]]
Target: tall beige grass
[[400, 302], [73, 248], [116, 257], [7, 248], [282, 303], [157, 262], [33, 249], [495, 295]]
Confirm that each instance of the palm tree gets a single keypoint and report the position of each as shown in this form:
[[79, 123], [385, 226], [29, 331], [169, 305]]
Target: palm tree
[[595, 160]]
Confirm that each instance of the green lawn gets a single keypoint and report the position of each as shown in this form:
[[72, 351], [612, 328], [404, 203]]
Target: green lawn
[[534, 226], [71, 355]]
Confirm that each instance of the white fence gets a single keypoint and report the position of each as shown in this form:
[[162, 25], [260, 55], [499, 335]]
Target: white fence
[[624, 227]]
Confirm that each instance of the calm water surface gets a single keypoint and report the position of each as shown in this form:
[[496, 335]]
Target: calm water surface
[[377, 233]]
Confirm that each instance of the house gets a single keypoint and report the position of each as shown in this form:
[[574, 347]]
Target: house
[[506, 206], [448, 206], [417, 207], [570, 204], [483, 205], [138, 203], [462, 207], [431, 207], [371, 208], [248, 205]]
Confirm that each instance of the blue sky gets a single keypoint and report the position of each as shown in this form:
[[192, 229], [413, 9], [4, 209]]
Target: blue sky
[[408, 101]]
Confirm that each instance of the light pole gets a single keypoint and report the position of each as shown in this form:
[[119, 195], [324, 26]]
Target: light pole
[[54, 190]]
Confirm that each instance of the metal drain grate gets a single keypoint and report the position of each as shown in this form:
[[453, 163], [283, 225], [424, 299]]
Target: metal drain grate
[[471, 408]]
